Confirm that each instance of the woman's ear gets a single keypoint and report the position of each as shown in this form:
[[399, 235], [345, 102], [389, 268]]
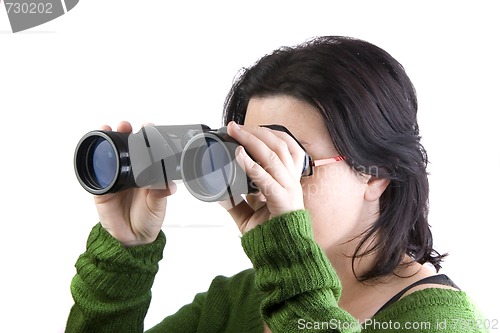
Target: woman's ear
[[375, 187]]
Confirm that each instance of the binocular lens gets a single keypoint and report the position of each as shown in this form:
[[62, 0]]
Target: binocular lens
[[97, 163], [103, 161], [207, 167], [213, 167]]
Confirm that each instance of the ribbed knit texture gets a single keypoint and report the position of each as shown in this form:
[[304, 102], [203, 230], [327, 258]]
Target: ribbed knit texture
[[293, 288], [113, 282], [430, 310], [298, 278]]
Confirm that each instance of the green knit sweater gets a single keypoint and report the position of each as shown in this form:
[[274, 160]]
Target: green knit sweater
[[293, 288]]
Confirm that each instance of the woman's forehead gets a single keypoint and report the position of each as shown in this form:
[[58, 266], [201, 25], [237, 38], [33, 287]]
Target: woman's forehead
[[283, 110], [301, 118]]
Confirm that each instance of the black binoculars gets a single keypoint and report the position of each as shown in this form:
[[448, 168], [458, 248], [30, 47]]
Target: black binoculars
[[204, 159]]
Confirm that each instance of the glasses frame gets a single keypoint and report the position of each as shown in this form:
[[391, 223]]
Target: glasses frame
[[311, 164]]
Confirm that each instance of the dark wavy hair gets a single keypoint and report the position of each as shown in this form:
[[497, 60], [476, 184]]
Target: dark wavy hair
[[369, 106]]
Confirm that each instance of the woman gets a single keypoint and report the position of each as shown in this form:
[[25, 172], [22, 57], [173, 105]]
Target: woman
[[341, 250]]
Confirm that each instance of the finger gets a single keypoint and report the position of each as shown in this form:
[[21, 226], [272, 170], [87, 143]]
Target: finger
[[288, 149], [278, 142], [266, 148], [124, 127], [266, 183], [296, 151]]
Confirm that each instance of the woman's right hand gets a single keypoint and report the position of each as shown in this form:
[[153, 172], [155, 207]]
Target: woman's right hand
[[134, 216], [276, 171]]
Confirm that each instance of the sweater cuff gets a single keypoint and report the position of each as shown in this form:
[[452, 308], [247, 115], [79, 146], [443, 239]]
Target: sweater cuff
[[118, 272], [284, 253]]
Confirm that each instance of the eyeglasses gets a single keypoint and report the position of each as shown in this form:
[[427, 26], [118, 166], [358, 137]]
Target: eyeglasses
[[309, 164]]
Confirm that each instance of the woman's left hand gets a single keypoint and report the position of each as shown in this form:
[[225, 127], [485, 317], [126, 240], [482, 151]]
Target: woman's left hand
[[276, 169]]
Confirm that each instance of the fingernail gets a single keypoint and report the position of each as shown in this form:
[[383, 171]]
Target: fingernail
[[240, 151], [236, 126]]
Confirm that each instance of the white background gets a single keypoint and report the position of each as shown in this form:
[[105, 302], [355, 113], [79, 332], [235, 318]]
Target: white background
[[152, 61]]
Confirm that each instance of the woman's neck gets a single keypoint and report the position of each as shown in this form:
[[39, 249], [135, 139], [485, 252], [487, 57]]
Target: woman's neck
[[362, 299]]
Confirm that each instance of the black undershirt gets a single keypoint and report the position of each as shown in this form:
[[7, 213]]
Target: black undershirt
[[435, 279]]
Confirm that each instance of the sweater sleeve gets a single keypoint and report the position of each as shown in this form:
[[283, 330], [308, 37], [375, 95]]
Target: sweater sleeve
[[112, 287], [301, 287]]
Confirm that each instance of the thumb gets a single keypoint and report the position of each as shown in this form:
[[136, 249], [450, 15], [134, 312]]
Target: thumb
[[157, 198], [239, 209]]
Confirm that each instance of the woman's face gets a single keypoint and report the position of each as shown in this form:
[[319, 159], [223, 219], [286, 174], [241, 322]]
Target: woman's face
[[334, 195]]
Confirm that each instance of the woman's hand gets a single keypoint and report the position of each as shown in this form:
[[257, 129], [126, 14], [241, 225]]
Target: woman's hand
[[276, 169], [134, 216]]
